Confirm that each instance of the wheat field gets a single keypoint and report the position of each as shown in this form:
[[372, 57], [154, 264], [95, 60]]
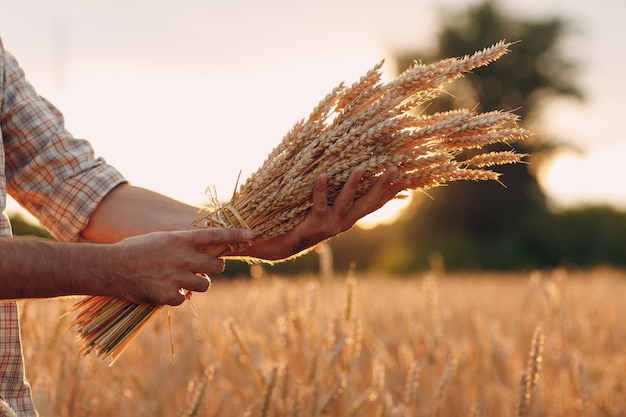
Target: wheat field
[[544, 343]]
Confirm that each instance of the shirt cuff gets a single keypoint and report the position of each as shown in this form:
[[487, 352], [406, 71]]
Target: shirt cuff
[[68, 217]]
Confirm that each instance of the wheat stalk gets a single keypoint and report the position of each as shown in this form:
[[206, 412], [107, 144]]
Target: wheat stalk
[[370, 124], [267, 396], [196, 392], [530, 375], [444, 384], [412, 383]]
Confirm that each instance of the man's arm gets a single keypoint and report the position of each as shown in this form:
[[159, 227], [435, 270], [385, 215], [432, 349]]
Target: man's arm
[[149, 257], [149, 268], [129, 211]]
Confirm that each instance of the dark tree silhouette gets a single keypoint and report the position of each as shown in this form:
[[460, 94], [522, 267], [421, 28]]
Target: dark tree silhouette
[[483, 224]]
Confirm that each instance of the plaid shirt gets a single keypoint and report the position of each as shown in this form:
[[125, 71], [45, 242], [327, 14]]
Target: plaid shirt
[[52, 175]]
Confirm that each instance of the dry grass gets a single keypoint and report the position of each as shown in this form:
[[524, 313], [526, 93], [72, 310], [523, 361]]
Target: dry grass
[[432, 345]]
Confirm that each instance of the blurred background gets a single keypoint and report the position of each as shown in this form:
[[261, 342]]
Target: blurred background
[[184, 95]]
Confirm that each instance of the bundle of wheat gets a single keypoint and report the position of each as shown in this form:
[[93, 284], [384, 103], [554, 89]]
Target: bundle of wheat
[[370, 124]]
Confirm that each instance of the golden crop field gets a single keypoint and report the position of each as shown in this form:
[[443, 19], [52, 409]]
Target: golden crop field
[[538, 344]]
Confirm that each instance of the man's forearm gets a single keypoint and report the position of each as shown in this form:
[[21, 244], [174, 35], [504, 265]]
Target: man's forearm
[[147, 269], [36, 268], [131, 211]]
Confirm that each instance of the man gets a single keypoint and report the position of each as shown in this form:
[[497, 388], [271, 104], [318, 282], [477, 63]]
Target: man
[[114, 238]]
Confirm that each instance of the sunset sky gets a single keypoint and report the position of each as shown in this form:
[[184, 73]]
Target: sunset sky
[[182, 95]]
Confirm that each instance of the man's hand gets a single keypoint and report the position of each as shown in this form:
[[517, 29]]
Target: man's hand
[[150, 268], [326, 221], [153, 268]]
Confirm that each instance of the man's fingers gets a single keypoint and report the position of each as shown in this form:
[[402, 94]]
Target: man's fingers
[[197, 282], [345, 206], [320, 201], [383, 190], [343, 202], [354, 179], [210, 236]]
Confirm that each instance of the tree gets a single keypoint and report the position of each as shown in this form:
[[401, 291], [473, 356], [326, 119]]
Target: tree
[[484, 224]]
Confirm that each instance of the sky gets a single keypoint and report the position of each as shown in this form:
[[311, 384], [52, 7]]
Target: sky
[[182, 95]]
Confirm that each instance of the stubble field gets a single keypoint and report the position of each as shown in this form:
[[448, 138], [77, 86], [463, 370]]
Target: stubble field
[[549, 343]]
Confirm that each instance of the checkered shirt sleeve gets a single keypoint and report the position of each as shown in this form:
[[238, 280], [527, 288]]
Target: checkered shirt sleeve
[[52, 174]]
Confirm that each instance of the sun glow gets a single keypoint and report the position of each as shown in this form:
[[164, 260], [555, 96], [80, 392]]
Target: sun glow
[[384, 215], [592, 178]]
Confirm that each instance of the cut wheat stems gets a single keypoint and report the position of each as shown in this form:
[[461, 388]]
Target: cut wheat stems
[[370, 123]]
